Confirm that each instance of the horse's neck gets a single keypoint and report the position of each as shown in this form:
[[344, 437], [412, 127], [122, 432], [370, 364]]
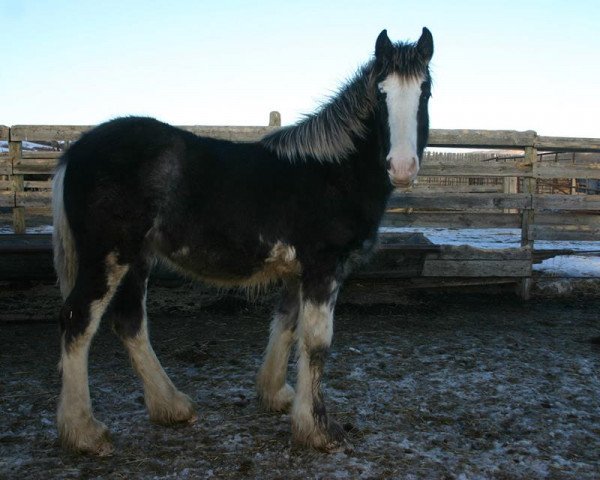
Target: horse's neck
[[368, 169]]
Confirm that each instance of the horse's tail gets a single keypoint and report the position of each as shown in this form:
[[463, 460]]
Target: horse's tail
[[65, 255]]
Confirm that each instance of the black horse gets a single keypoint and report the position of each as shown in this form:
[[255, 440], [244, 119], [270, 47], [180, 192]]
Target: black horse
[[300, 207]]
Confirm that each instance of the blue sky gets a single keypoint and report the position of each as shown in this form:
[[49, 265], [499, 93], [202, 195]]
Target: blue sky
[[497, 65]]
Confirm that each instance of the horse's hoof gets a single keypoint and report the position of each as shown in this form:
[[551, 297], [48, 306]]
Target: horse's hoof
[[331, 439], [337, 439], [104, 449], [193, 419], [177, 409], [281, 402], [94, 439]]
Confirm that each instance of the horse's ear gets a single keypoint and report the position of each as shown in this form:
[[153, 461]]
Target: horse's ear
[[425, 45], [383, 46]]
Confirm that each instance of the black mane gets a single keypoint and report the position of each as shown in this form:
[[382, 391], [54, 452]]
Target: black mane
[[330, 133]]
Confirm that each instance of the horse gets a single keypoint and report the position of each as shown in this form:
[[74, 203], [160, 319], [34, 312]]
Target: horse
[[299, 208]]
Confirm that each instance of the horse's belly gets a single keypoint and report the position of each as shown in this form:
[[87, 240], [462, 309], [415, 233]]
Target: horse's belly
[[229, 268]]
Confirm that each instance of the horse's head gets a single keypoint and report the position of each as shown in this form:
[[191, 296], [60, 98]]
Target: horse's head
[[404, 87]]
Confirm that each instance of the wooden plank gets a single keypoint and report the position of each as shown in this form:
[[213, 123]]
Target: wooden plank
[[482, 169], [509, 139], [583, 219], [400, 255], [563, 144], [42, 154], [566, 232], [481, 138], [466, 261], [459, 158], [47, 133], [572, 219], [33, 199], [35, 166], [25, 243], [437, 138], [40, 211], [50, 133], [236, 133], [452, 220], [7, 198], [45, 163], [468, 253], [38, 184], [477, 268], [566, 202], [458, 201], [459, 188], [371, 291], [562, 170]]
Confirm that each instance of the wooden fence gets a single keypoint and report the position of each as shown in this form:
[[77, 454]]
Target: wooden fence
[[464, 190]]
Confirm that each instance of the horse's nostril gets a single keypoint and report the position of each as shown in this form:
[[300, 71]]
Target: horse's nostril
[[388, 162]]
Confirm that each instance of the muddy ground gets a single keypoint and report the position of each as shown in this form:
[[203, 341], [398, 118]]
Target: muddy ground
[[440, 386]]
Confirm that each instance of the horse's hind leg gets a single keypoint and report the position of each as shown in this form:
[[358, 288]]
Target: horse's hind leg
[[166, 405], [80, 316], [273, 391]]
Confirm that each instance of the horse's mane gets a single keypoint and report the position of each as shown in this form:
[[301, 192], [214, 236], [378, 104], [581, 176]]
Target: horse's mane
[[329, 133]]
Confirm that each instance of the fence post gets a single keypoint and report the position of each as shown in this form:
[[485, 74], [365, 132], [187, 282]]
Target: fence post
[[528, 218], [510, 185], [274, 119], [15, 150]]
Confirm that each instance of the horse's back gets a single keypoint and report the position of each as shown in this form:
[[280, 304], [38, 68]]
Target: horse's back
[[124, 141], [139, 185], [116, 180]]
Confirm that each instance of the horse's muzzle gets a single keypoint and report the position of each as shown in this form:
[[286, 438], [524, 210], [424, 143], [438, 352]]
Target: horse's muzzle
[[403, 173]]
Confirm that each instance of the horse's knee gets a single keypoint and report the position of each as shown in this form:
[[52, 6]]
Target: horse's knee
[[316, 325], [126, 326]]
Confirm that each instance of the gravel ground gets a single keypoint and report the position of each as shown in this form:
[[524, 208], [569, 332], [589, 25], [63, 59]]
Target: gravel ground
[[440, 386]]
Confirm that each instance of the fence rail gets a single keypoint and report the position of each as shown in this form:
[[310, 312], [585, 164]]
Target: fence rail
[[487, 189]]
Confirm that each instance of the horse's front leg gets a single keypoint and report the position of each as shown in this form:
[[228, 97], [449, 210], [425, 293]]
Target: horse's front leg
[[311, 426], [274, 393]]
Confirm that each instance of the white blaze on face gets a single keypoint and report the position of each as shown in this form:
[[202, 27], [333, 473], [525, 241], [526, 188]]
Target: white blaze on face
[[402, 99]]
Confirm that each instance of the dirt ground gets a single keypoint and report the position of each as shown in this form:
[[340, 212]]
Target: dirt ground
[[440, 386]]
